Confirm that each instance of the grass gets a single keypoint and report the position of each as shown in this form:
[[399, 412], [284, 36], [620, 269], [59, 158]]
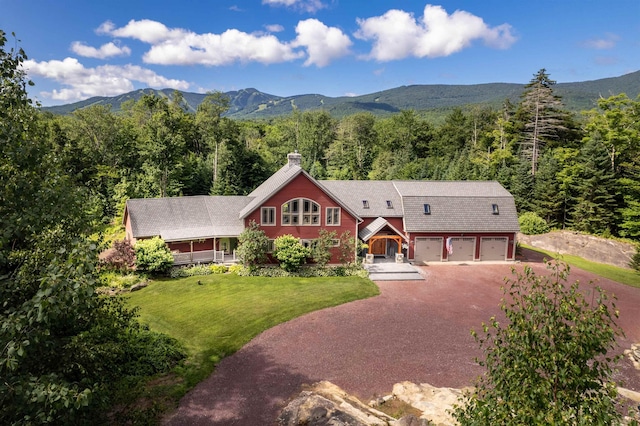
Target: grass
[[215, 315], [614, 273]]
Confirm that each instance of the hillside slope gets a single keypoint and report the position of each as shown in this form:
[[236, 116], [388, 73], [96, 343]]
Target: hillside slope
[[250, 103]]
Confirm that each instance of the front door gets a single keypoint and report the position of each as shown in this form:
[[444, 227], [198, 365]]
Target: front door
[[378, 247]]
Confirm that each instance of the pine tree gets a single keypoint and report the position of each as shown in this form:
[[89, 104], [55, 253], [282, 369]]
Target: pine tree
[[543, 118], [547, 197], [596, 189]]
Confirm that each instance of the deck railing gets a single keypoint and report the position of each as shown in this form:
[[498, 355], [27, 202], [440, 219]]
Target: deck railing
[[205, 256]]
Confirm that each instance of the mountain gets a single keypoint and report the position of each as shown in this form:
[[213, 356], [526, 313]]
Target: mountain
[[251, 103]]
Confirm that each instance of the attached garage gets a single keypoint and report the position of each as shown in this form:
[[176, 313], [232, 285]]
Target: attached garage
[[464, 249], [493, 248], [428, 249]]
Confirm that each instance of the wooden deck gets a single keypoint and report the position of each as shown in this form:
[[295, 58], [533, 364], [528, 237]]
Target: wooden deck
[[205, 256]]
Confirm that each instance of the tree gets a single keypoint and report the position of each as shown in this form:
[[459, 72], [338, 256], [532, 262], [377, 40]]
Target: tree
[[542, 115], [63, 348], [252, 245], [547, 199], [596, 189], [549, 363]]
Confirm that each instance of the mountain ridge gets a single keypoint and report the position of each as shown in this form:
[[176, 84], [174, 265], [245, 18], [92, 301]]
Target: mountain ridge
[[251, 103]]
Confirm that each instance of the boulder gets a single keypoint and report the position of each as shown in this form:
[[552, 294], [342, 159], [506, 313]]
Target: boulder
[[327, 404], [433, 402]]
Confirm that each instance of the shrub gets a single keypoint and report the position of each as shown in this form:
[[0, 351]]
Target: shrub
[[120, 256], [347, 248], [252, 245], [290, 252], [238, 270], [532, 224], [218, 269], [321, 250], [153, 256], [548, 363]]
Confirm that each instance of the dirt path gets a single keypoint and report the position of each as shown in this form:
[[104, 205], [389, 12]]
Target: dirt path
[[415, 330]]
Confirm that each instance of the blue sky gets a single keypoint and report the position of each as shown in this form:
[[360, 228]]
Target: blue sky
[[79, 49]]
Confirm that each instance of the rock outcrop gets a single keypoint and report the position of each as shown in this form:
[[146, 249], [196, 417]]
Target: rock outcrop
[[589, 247], [326, 404]]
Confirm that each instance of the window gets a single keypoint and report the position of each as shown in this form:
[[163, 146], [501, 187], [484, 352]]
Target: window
[[268, 216], [307, 243], [301, 211], [495, 209], [365, 204], [271, 246], [333, 216], [336, 242], [389, 204], [427, 208]]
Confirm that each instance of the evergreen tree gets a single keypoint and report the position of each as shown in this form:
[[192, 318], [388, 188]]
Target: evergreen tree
[[547, 197], [521, 187], [541, 113], [596, 189]]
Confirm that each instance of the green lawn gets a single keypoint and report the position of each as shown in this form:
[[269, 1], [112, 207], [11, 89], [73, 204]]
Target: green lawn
[[217, 317], [621, 275]]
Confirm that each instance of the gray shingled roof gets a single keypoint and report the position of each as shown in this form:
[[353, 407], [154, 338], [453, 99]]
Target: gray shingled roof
[[376, 192], [185, 218], [444, 188], [270, 186], [376, 226], [464, 213]]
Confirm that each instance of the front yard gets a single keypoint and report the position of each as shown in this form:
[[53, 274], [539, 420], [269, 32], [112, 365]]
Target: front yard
[[215, 315]]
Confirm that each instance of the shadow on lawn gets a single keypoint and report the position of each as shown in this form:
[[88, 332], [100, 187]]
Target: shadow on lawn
[[254, 397]]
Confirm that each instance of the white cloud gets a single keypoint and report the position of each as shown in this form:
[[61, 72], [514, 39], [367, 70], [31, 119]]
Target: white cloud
[[105, 80], [609, 41], [310, 6], [274, 28], [105, 51], [182, 47], [397, 34], [144, 30], [323, 44]]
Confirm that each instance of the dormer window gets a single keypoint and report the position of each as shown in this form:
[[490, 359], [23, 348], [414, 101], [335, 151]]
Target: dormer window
[[494, 208], [427, 208], [389, 204], [365, 204]]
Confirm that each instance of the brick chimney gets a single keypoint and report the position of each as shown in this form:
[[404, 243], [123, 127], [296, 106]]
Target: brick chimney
[[295, 159]]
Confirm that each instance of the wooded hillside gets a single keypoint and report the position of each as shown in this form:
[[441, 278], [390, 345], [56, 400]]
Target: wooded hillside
[[575, 170]]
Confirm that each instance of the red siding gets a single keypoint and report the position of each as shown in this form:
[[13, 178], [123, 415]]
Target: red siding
[[510, 243], [302, 187], [185, 246]]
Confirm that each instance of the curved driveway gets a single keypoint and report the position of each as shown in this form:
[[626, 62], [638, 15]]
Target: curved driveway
[[415, 330]]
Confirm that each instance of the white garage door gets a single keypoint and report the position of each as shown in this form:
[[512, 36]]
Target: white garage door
[[493, 248], [428, 250], [464, 249]]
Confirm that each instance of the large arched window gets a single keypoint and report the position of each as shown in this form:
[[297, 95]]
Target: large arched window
[[301, 211]]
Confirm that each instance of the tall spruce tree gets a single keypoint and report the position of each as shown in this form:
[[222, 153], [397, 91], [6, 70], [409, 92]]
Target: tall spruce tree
[[542, 116], [547, 197], [596, 191]]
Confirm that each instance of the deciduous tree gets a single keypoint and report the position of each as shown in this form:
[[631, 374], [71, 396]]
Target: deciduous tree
[[550, 362]]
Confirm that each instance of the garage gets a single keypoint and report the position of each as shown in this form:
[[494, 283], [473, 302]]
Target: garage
[[493, 248], [428, 249], [464, 249]]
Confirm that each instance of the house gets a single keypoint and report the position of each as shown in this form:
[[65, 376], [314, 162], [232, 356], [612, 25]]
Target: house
[[427, 221]]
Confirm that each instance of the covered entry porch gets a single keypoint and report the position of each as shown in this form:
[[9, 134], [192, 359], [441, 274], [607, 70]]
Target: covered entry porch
[[384, 241]]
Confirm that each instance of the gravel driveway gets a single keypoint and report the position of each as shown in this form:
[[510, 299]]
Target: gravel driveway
[[415, 330]]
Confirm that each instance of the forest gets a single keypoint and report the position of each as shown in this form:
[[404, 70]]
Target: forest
[[576, 171]]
